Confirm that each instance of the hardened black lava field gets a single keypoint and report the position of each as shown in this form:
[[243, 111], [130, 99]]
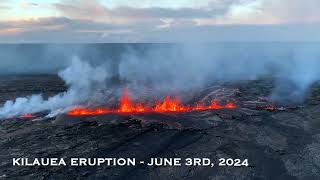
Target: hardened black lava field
[[280, 143]]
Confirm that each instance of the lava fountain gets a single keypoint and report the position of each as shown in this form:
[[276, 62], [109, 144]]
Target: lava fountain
[[27, 116], [167, 105]]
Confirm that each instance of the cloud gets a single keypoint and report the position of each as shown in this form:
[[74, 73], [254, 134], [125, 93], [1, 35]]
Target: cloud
[[4, 5], [219, 20], [236, 33], [273, 12], [27, 5], [291, 11], [85, 9], [215, 12], [65, 23], [76, 30], [67, 30]]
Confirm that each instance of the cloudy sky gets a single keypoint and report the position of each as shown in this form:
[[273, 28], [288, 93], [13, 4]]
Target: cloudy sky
[[158, 20]]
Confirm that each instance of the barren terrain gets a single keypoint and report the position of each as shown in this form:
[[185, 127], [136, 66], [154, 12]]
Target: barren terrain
[[283, 143]]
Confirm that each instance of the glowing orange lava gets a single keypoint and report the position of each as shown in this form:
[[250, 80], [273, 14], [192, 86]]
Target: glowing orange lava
[[27, 116], [168, 105]]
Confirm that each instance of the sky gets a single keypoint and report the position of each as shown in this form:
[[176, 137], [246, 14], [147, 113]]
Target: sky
[[28, 21]]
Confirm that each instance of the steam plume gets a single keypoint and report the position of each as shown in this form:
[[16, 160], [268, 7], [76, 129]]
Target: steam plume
[[82, 80], [170, 68], [182, 67]]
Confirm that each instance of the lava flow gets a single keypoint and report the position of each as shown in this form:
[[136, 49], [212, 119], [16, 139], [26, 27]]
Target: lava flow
[[168, 105], [27, 116]]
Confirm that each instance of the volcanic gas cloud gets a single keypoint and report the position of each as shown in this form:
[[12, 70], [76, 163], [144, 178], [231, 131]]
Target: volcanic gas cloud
[[167, 105]]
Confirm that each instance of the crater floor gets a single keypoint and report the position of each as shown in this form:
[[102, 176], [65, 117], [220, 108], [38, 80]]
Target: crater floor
[[279, 145]]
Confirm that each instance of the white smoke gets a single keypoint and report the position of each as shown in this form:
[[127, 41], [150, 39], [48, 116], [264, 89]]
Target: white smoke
[[295, 68], [172, 68], [81, 78]]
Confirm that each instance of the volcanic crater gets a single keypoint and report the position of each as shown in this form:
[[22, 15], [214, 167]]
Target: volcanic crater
[[231, 120]]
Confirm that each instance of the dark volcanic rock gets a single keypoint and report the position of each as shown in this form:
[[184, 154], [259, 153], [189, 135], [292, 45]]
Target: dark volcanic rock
[[279, 145]]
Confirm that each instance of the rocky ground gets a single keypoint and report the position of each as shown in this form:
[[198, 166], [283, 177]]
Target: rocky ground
[[280, 144]]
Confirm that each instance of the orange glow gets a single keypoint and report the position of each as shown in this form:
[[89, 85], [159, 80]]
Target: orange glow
[[10, 31], [27, 116], [126, 105], [270, 108], [168, 105]]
